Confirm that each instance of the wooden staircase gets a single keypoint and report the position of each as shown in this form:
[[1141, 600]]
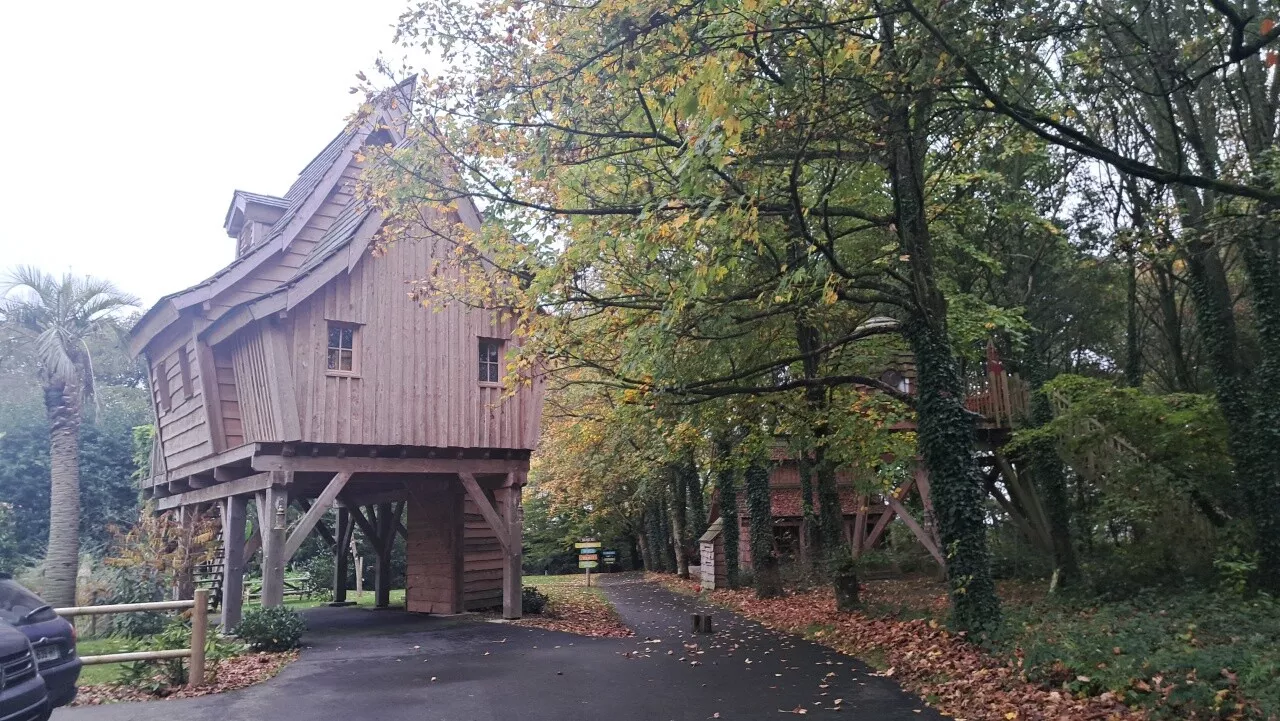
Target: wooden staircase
[[1113, 451], [208, 575]]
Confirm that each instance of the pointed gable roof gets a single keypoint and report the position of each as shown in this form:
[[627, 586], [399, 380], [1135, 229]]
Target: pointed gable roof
[[302, 199]]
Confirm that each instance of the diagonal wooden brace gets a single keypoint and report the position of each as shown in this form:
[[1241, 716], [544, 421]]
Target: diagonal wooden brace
[[486, 509], [318, 509]]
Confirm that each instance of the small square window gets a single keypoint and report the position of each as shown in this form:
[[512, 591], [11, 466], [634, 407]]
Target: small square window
[[490, 360], [341, 353]]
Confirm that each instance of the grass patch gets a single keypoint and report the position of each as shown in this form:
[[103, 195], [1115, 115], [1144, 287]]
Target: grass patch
[[1175, 654], [574, 607], [105, 673]]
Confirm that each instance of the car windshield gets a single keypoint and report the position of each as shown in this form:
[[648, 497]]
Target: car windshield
[[16, 602]]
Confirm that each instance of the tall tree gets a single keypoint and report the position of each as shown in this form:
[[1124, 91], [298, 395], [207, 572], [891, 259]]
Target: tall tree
[[1194, 81], [737, 169], [52, 320]]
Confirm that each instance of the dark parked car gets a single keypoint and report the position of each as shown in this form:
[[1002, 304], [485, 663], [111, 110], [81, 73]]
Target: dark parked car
[[52, 638], [23, 696]]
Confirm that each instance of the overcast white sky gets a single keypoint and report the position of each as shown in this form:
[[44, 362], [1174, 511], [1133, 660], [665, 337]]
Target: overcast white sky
[[128, 124]]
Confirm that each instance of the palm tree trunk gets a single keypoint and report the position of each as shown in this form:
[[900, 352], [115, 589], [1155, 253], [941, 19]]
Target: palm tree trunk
[[62, 557]]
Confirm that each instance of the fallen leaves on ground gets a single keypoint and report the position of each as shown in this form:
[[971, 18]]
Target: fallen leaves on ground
[[233, 673], [956, 677], [577, 610]]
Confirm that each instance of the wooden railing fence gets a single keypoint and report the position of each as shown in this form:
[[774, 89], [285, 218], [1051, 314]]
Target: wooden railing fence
[[999, 397], [199, 633]]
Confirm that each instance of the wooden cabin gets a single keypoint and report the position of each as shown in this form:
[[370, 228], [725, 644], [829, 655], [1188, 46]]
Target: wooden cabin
[[303, 374], [999, 399]]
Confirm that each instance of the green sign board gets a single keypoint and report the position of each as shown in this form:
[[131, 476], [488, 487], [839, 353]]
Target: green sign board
[[588, 564]]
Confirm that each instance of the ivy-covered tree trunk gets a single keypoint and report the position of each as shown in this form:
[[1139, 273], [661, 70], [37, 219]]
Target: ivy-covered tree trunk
[[62, 557], [764, 562], [727, 493], [646, 556], [697, 502], [1133, 332], [679, 519], [653, 535], [667, 549], [827, 534], [808, 518], [830, 518], [1261, 255], [1215, 319], [945, 429]]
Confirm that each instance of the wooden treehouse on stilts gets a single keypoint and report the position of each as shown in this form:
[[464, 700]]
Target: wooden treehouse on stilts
[[999, 401], [303, 375]]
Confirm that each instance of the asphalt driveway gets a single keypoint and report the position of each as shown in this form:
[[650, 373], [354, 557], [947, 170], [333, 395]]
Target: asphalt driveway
[[391, 665]]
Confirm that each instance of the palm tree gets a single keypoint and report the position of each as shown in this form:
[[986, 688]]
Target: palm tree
[[48, 321]]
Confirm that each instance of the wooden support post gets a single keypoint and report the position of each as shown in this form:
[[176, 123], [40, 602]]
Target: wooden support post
[[341, 553], [512, 583], [199, 632], [234, 510], [366, 525], [434, 549], [882, 524], [926, 497], [254, 544], [382, 571], [273, 505], [859, 525], [924, 538]]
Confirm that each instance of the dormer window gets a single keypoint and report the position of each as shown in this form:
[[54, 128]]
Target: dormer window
[[341, 356], [379, 138], [490, 361]]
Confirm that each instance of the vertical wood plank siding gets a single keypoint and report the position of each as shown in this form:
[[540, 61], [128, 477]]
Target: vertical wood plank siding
[[253, 384], [231, 421], [416, 379]]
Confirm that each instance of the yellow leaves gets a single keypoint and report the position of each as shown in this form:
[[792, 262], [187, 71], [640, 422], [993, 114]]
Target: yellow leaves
[[732, 127], [875, 55], [680, 222]]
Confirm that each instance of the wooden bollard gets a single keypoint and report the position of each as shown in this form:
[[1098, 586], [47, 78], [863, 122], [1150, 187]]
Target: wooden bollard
[[702, 623], [199, 632]]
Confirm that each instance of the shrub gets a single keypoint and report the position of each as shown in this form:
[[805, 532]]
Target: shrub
[[319, 570], [271, 629], [134, 585], [532, 600], [844, 579]]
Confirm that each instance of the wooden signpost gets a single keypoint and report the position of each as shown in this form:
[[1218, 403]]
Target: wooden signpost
[[588, 555]]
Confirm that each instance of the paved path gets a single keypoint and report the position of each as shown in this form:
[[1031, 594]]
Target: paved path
[[367, 664]]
